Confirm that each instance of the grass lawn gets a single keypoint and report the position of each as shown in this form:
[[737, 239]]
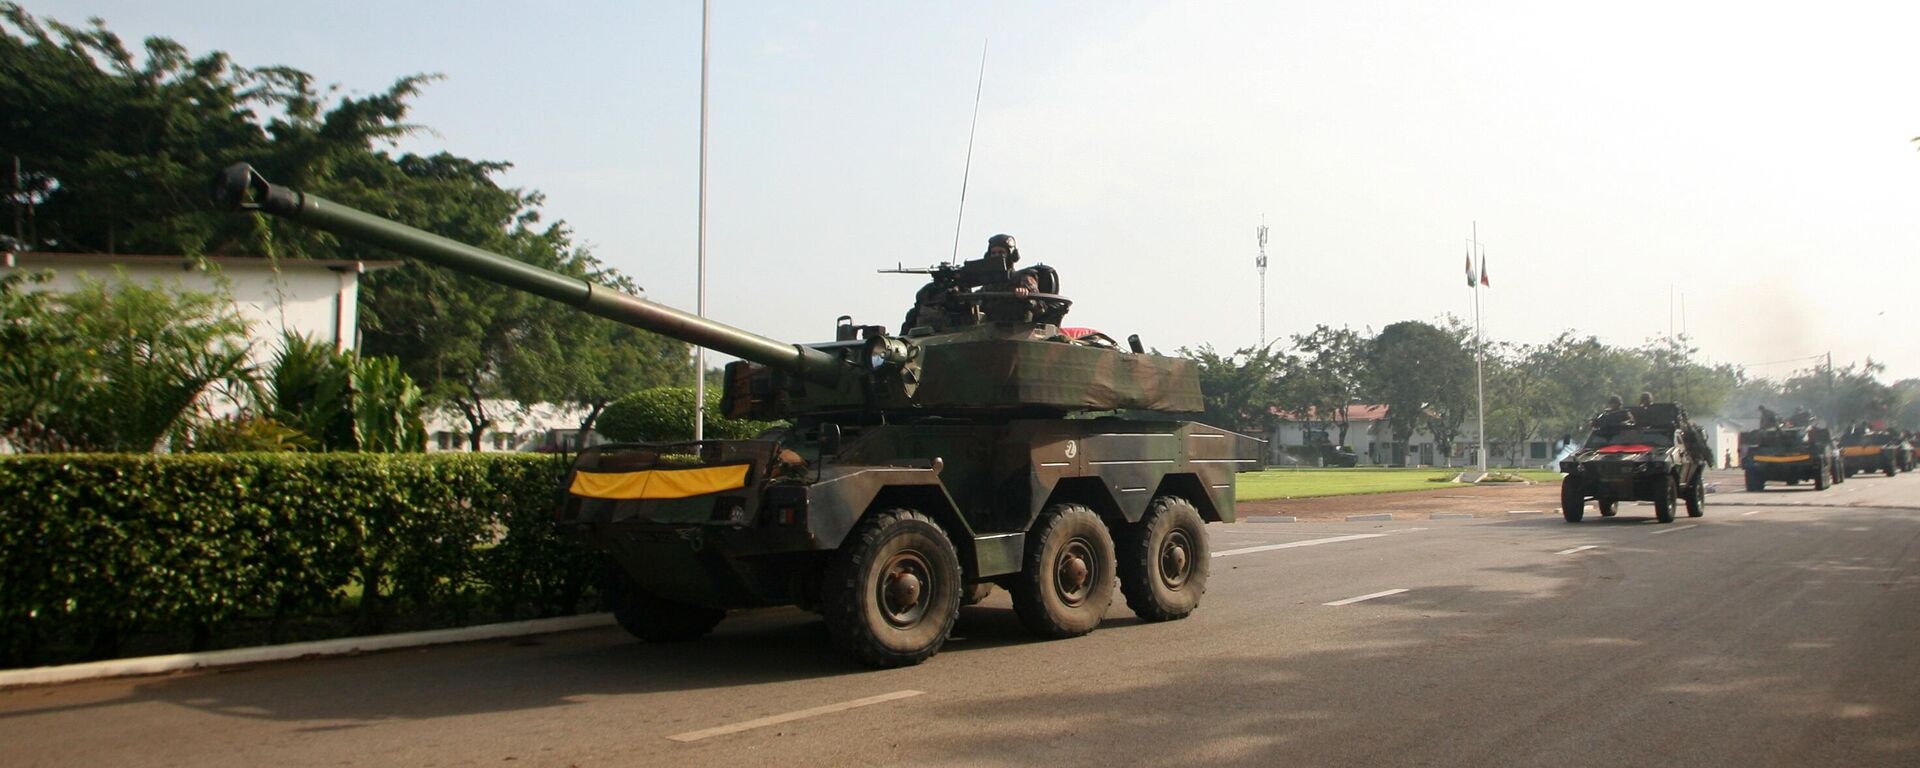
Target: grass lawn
[[1308, 483]]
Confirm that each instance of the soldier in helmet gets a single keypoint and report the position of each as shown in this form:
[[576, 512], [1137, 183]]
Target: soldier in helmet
[[1002, 277], [1615, 418], [945, 303]]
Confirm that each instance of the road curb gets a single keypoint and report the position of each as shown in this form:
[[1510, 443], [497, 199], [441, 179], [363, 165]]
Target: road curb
[[153, 665], [1379, 517], [1273, 519], [1452, 516]]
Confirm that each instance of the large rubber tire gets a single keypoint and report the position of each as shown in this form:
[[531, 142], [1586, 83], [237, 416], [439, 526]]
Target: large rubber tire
[[1164, 561], [1573, 503], [1755, 483], [1889, 469], [892, 591], [1066, 579], [1839, 476], [1608, 507], [653, 618], [1820, 480], [1664, 503], [1697, 497]]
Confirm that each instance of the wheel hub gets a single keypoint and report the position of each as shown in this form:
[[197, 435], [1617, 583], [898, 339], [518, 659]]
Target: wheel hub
[[1073, 572], [1175, 562], [902, 592]]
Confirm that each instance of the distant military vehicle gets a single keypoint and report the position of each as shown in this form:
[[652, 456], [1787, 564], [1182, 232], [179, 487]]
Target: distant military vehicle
[[1790, 454], [1657, 455], [1319, 448], [1871, 450], [918, 469]]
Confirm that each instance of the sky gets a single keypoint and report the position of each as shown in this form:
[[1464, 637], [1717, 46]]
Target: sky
[[1740, 172]]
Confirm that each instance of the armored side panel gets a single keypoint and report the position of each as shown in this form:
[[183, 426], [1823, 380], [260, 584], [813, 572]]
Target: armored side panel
[[1007, 369], [990, 374]]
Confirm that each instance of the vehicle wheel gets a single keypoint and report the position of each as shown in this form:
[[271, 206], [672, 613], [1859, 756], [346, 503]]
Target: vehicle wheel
[[977, 593], [1838, 476], [1850, 471], [1066, 580], [1573, 503], [1755, 483], [1793, 481], [892, 591], [1608, 507], [1889, 469], [1663, 503], [1820, 482], [1164, 561], [653, 618], [1697, 498]]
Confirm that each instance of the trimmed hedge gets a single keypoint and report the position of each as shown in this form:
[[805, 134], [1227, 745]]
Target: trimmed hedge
[[99, 552]]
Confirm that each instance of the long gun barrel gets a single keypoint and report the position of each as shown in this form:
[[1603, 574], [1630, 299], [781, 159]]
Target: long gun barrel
[[240, 187]]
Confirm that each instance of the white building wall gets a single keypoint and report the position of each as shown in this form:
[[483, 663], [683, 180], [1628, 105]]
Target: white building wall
[[312, 298]]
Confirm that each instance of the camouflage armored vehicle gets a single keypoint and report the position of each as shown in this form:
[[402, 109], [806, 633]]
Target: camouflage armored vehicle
[[1790, 454], [1317, 449], [1657, 455], [917, 469], [1871, 450]]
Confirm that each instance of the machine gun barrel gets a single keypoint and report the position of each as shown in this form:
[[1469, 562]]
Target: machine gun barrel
[[240, 187]]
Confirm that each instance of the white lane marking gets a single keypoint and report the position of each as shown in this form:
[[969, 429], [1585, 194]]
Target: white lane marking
[[1577, 549], [1675, 530], [1292, 544], [1755, 512], [792, 716], [1352, 600]]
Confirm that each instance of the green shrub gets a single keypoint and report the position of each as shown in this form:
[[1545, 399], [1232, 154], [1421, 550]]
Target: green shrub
[[665, 414], [191, 548]]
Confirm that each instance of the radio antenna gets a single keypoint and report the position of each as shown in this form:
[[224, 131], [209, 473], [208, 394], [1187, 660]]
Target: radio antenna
[[969, 166]]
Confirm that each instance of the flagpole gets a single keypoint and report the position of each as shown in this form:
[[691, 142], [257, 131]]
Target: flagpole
[[700, 296], [1479, 354]]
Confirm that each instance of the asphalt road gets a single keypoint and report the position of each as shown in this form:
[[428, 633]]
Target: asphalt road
[[1781, 629]]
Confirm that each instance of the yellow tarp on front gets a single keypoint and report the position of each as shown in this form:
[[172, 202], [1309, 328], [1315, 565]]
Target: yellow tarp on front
[[1860, 450], [1782, 459], [658, 483]]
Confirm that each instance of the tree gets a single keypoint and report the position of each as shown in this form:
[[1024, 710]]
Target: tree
[[1674, 373], [1581, 372], [1239, 388], [1325, 375], [589, 362], [1520, 396], [1423, 375], [1846, 396], [116, 153]]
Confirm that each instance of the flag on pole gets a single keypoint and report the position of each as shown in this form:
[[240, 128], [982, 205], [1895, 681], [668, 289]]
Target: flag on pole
[[1469, 268], [1483, 271]]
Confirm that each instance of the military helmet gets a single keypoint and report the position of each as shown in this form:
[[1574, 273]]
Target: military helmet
[[1004, 241]]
